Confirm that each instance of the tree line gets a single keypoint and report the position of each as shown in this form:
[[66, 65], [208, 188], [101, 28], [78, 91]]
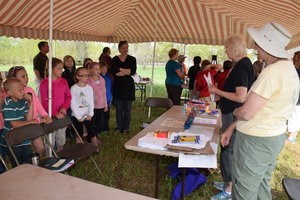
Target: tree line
[[16, 51]]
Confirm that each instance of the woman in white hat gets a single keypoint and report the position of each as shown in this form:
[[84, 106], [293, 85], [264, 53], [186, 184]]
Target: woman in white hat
[[261, 126]]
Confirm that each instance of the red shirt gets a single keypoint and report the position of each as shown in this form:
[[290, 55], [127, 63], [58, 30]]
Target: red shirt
[[201, 85], [220, 79]]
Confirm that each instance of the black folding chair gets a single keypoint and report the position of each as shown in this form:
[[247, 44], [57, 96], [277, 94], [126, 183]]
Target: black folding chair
[[77, 151], [155, 102], [3, 163], [292, 187], [16, 136]]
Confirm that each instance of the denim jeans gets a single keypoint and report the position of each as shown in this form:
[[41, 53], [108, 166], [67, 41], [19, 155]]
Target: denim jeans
[[23, 154], [227, 152], [123, 114]]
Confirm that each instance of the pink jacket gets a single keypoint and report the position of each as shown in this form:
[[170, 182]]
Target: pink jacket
[[38, 110], [99, 92], [61, 96]]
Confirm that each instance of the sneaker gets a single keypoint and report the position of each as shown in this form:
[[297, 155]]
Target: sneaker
[[221, 196], [117, 131], [292, 140], [219, 185]]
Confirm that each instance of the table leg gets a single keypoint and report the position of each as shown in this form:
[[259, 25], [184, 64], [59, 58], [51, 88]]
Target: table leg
[[145, 90], [183, 170], [157, 161]]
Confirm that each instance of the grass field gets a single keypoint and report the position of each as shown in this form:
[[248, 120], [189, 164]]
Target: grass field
[[135, 172]]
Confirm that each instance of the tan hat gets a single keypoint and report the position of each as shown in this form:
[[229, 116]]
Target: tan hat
[[180, 57], [272, 38]]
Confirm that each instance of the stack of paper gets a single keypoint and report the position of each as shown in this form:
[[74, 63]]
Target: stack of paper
[[151, 142], [201, 161]]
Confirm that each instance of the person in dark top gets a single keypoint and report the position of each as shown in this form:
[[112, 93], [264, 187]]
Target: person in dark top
[[234, 93], [39, 61], [87, 62], [69, 70], [123, 67], [105, 56], [193, 70]]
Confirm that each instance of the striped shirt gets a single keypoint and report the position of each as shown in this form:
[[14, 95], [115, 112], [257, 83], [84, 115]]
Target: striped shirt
[[14, 111]]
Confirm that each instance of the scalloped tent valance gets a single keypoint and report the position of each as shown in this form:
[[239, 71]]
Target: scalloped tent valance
[[181, 21]]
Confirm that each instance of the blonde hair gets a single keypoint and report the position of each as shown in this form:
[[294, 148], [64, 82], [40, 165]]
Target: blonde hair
[[237, 45], [7, 85]]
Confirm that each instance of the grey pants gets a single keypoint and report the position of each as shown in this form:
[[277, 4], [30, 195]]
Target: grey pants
[[254, 159], [227, 152]]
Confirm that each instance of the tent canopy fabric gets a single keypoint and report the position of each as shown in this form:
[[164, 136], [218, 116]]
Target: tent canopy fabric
[[181, 21]]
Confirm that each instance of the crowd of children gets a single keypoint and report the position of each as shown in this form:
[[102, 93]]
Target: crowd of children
[[84, 94]]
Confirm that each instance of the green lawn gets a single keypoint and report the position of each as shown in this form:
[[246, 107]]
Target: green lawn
[[135, 172]]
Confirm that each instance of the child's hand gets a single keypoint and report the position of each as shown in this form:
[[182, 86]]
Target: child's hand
[[105, 109], [34, 121], [28, 97], [46, 119], [63, 111], [59, 115], [88, 117], [81, 119]]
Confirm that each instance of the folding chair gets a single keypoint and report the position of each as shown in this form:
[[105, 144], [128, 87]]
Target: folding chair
[[30, 132], [291, 187], [3, 163], [155, 102], [77, 151]]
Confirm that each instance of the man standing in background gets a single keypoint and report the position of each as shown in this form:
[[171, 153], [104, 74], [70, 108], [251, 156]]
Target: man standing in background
[[39, 62]]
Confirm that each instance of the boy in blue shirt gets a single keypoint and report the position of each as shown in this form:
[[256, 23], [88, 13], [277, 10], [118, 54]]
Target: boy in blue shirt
[[108, 85], [17, 112]]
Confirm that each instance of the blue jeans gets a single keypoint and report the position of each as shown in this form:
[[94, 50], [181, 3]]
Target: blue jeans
[[23, 154], [123, 114], [226, 154], [2, 153]]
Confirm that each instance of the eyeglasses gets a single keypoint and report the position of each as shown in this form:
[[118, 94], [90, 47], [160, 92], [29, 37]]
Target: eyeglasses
[[83, 75]]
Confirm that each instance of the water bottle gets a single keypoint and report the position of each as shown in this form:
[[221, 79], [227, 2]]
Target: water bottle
[[184, 107]]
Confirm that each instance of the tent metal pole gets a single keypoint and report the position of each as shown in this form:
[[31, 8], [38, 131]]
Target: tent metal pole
[[154, 53], [49, 152]]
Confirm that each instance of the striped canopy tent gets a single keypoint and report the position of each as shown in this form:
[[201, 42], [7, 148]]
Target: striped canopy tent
[[181, 21]]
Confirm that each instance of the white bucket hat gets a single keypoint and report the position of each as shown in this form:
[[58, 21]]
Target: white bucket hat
[[273, 38]]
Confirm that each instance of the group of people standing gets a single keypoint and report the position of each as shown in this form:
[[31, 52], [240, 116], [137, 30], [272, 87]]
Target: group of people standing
[[83, 93], [256, 102]]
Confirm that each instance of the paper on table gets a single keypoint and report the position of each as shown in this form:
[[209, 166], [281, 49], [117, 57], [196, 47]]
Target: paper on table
[[172, 122], [210, 114], [205, 120], [201, 161], [151, 142], [208, 132]]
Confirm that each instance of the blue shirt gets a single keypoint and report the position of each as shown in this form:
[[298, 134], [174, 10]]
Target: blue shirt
[[171, 76], [108, 85]]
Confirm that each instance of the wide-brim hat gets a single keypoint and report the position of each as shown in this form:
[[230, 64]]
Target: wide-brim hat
[[272, 38], [181, 57]]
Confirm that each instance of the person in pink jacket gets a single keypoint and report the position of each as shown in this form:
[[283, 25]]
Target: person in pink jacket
[[100, 103], [39, 112], [61, 99]]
